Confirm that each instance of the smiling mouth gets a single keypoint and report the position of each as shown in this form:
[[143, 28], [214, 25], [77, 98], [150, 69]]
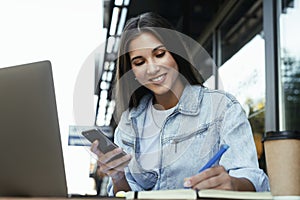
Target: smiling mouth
[[159, 78]]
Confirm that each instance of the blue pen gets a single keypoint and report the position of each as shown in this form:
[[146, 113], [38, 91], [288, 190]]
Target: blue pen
[[214, 159]]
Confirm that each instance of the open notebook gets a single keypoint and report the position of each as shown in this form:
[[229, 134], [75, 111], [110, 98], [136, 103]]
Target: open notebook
[[193, 194]]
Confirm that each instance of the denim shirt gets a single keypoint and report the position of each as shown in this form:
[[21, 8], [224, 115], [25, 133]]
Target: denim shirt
[[203, 120]]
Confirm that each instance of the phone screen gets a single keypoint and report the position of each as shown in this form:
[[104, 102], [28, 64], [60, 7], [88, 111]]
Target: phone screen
[[105, 144]]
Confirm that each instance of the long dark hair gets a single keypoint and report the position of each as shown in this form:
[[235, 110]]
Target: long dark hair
[[128, 91]]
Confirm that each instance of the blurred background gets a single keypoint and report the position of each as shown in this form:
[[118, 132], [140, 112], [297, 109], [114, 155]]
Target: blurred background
[[253, 43]]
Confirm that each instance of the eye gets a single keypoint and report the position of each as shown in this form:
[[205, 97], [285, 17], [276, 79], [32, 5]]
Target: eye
[[138, 63], [160, 54]]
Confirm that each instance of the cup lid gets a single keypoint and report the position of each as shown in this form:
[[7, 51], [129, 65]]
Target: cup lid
[[279, 135]]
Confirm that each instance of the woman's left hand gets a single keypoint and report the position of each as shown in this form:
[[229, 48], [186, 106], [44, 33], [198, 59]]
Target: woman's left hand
[[217, 178], [212, 178]]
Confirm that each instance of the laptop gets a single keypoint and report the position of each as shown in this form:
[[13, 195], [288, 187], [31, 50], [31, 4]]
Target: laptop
[[30, 145]]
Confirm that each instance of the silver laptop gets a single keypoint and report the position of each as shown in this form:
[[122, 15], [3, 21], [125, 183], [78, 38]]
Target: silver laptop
[[30, 144]]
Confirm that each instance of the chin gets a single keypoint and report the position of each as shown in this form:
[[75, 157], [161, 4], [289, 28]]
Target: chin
[[161, 91]]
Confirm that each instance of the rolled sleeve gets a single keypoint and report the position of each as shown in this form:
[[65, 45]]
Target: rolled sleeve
[[241, 159], [256, 176]]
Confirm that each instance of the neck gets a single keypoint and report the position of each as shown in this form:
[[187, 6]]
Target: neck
[[169, 99]]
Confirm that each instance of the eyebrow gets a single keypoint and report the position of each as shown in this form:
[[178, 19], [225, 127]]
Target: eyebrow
[[153, 50]]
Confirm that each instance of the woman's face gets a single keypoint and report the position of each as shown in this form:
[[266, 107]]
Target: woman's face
[[153, 65]]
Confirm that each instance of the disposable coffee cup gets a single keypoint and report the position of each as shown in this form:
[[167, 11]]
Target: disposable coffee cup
[[282, 152]]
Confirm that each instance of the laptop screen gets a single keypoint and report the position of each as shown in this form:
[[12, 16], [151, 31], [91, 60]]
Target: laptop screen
[[30, 144]]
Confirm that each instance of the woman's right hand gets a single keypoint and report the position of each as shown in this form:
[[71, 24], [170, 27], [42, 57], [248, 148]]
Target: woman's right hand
[[114, 168]]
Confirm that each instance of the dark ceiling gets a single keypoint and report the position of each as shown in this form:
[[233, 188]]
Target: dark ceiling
[[188, 16], [238, 20]]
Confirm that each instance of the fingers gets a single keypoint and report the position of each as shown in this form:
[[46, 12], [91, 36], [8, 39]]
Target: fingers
[[104, 158], [115, 169], [118, 164], [198, 178], [115, 172], [94, 148], [212, 178], [108, 166]]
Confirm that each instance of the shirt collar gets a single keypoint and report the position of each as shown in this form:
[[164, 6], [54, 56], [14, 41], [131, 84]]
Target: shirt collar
[[189, 102]]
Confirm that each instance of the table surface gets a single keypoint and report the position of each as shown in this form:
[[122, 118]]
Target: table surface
[[55, 198]]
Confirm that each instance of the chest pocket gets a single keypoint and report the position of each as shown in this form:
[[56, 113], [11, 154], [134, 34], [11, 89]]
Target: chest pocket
[[128, 143], [188, 136], [197, 143], [183, 142], [125, 139]]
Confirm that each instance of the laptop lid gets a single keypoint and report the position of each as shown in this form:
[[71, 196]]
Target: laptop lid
[[30, 144]]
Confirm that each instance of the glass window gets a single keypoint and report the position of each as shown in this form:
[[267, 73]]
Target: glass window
[[243, 75], [290, 67]]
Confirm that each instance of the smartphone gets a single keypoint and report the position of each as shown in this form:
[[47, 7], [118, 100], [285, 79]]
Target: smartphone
[[105, 144]]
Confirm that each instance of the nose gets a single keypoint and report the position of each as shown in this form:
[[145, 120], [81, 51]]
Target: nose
[[152, 68]]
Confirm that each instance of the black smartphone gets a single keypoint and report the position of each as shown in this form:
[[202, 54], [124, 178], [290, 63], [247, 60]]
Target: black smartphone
[[105, 144]]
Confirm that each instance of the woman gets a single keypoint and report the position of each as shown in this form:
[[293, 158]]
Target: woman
[[170, 124]]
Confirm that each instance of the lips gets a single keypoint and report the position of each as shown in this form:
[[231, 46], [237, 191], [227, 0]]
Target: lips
[[158, 79]]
